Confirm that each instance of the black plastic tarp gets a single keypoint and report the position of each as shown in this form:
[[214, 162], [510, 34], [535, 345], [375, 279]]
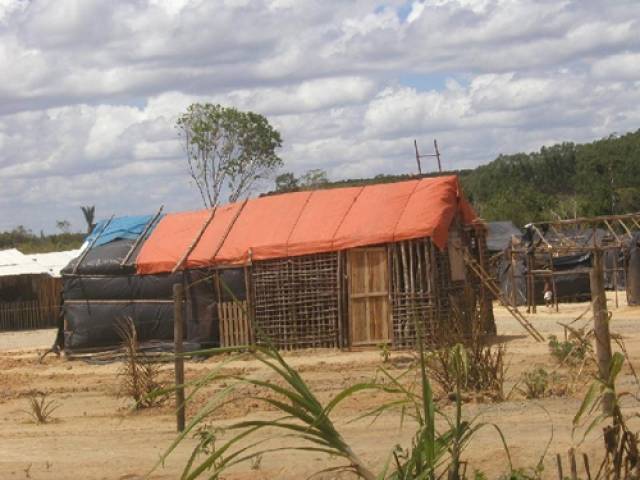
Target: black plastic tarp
[[95, 303], [93, 324], [499, 235], [105, 260], [570, 286]]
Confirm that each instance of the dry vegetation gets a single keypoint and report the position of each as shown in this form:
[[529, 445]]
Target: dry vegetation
[[108, 442]]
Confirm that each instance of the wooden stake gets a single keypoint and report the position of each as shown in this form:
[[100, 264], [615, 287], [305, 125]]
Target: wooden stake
[[178, 334], [601, 325]]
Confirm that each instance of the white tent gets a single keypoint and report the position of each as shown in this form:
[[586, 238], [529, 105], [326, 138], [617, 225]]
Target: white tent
[[14, 262], [55, 261]]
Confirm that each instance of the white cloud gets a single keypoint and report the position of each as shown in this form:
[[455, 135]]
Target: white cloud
[[90, 90]]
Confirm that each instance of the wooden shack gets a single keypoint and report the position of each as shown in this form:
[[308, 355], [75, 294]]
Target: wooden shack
[[336, 268], [30, 289]]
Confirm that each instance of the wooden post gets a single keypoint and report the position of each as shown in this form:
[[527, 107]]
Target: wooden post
[[601, 324], [415, 144], [553, 283], [178, 333], [437, 155]]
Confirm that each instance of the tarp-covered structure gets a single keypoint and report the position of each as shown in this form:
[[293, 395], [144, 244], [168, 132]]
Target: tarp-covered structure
[[309, 222], [500, 235], [303, 268]]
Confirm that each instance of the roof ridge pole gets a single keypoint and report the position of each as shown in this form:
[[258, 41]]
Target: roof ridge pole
[[140, 237], [90, 246], [195, 241]]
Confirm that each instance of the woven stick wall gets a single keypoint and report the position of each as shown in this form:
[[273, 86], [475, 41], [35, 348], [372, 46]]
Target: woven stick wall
[[34, 301], [296, 301], [422, 289], [413, 290]]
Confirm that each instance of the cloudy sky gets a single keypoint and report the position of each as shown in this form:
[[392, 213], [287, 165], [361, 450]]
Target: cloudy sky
[[90, 89]]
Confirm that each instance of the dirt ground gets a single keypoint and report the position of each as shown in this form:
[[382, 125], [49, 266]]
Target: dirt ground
[[95, 434]]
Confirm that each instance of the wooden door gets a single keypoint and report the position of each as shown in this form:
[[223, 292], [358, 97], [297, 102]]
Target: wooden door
[[369, 321]]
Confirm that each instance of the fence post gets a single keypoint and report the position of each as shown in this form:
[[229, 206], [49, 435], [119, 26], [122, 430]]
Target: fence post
[[178, 333], [601, 325]]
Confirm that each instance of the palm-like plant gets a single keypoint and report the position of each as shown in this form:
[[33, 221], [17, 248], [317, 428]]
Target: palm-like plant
[[307, 422], [89, 213]]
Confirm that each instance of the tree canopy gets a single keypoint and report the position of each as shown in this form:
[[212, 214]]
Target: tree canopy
[[227, 148], [563, 180]]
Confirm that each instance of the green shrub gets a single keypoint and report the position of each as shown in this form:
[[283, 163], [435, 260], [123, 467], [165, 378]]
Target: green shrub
[[572, 351]]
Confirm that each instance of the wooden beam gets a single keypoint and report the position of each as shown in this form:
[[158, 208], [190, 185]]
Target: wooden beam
[[591, 220], [563, 236], [90, 246], [606, 222], [537, 230], [195, 241], [228, 230], [140, 237], [624, 225]]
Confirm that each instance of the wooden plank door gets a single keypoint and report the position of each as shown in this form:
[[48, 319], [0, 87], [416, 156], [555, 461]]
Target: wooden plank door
[[368, 296]]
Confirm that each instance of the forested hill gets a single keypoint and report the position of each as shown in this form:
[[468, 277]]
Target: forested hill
[[564, 180]]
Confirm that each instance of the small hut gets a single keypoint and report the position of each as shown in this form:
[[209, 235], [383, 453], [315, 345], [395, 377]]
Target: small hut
[[336, 268], [30, 288]]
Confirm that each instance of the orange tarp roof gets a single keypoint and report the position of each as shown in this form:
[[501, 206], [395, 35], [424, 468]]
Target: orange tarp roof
[[302, 223]]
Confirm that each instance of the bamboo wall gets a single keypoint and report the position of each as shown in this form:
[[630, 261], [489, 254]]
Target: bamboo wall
[[295, 301], [303, 302], [29, 301]]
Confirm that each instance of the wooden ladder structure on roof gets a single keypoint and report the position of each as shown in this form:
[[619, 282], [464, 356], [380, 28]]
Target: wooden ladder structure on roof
[[491, 285]]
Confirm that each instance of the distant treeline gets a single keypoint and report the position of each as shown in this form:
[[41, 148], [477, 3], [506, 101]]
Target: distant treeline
[[560, 181], [27, 242], [564, 180]]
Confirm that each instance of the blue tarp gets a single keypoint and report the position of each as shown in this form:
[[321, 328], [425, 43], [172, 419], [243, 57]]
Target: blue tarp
[[118, 229]]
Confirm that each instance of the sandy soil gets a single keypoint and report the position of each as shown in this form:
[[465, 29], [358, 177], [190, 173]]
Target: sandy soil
[[95, 435]]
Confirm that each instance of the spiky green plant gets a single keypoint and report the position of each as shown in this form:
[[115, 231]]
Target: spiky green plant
[[307, 423], [138, 374], [622, 458]]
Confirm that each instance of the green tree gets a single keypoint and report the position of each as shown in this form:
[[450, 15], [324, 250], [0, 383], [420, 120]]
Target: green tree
[[315, 178], [286, 182], [227, 148]]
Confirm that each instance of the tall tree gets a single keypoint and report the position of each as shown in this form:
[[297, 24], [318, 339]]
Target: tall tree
[[89, 213], [227, 148]]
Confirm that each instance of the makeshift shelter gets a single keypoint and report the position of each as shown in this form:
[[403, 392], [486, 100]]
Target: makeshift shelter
[[30, 288], [327, 268], [560, 253]]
